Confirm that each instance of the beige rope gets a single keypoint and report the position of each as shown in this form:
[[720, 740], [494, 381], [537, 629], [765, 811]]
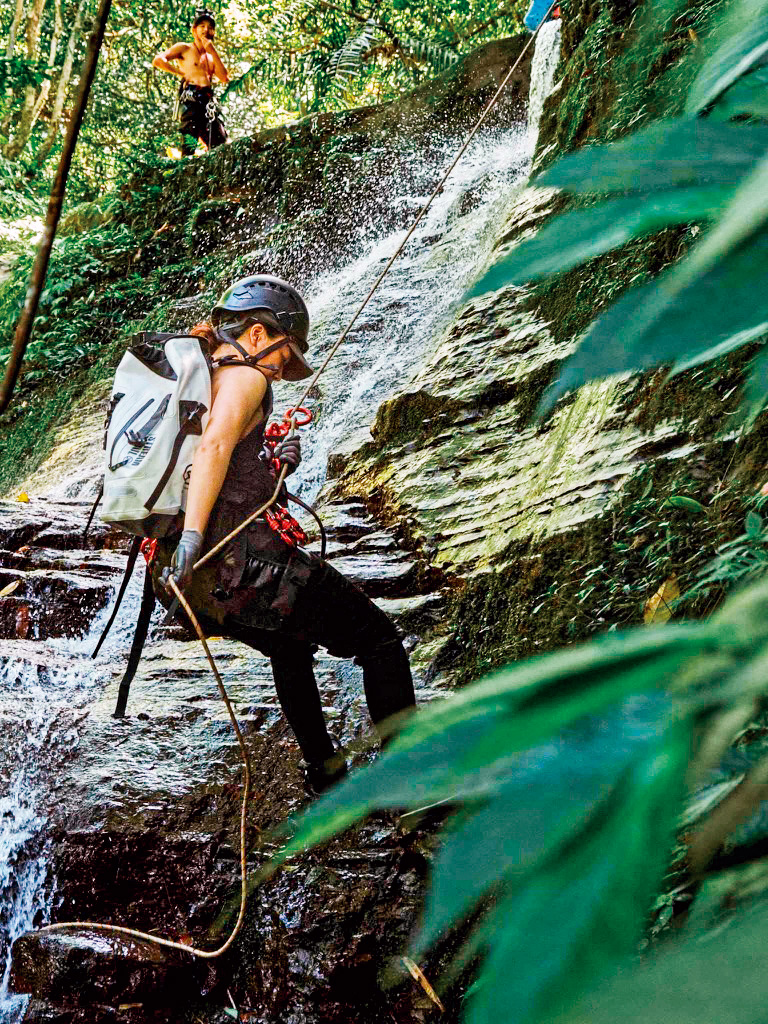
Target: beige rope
[[204, 954], [167, 943], [374, 287]]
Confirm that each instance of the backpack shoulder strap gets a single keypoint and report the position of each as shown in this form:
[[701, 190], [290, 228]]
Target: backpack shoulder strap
[[139, 639], [133, 553]]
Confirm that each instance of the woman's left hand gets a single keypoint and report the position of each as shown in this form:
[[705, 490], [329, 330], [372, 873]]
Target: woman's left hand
[[289, 452]]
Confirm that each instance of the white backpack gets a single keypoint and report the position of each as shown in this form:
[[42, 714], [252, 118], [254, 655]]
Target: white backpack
[[161, 400]]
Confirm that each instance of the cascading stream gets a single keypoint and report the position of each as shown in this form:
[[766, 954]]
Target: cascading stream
[[42, 703], [41, 709]]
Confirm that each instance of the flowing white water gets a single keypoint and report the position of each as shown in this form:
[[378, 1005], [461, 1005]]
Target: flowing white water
[[543, 68], [42, 701]]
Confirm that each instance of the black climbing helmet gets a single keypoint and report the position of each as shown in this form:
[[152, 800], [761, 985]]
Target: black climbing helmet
[[279, 305]]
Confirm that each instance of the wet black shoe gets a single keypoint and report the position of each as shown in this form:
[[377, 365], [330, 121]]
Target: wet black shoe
[[321, 775]]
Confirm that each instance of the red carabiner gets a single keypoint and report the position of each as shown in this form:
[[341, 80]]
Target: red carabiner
[[148, 548], [290, 413]]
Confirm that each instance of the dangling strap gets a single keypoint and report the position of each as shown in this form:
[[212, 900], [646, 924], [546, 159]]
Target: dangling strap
[[139, 639], [133, 554], [92, 513], [316, 517]]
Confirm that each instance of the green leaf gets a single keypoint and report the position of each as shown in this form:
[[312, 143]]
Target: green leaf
[[699, 977], [629, 337], [546, 797], [575, 919], [748, 96], [666, 155], [731, 343], [462, 748], [753, 525], [756, 394], [745, 42], [689, 504], [746, 213], [581, 235]]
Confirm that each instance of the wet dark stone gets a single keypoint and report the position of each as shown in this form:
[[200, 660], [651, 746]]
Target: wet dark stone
[[87, 968], [46, 603], [39, 1012]]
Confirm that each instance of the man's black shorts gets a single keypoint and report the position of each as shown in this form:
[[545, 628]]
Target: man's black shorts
[[200, 118]]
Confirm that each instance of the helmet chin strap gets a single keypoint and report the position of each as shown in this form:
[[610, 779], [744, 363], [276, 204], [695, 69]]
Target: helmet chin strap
[[258, 356]]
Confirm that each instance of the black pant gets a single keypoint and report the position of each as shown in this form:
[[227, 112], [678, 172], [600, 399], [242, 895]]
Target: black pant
[[331, 612], [200, 119]]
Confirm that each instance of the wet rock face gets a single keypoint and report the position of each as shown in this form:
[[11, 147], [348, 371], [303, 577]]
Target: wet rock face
[[457, 456], [89, 967], [53, 588], [143, 812]]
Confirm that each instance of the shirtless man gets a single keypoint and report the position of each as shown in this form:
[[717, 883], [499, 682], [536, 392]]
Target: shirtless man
[[198, 62]]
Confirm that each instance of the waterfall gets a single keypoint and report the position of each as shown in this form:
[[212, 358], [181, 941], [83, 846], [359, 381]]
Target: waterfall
[[543, 68], [43, 698]]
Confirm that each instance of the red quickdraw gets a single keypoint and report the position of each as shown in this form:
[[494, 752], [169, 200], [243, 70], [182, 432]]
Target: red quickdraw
[[282, 522], [279, 518], [148, 548]]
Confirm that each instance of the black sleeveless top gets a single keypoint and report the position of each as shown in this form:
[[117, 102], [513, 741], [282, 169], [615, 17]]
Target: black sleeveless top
[[248, 484]]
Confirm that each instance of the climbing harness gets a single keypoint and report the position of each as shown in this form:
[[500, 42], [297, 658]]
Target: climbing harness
[[292, 422]]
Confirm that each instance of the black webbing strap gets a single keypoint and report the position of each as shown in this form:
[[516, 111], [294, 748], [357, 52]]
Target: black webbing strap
[[316, 517], [252, 361], [133, 554], [139, 639], [92, 513]]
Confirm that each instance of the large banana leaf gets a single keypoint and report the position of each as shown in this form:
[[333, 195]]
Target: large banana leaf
[[741, 41], [581, 235]]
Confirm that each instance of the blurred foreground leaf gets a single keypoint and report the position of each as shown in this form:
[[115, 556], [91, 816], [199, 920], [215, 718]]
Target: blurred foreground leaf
[[565, 776]]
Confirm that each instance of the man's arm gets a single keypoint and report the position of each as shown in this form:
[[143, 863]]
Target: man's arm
[[218, 68], [162, 60]]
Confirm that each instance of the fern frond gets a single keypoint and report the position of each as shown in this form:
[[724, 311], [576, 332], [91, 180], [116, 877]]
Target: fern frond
[[438, 57], [347, 60]]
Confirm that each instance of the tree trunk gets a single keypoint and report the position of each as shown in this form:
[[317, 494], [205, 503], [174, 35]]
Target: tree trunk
[[62, 87], [45, 89], [14, 29], [24, 130]]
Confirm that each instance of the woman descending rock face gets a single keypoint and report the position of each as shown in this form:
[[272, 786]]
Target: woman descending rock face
[[263, 590]]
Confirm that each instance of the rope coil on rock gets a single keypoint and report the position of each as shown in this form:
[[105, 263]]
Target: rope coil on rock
[[168, 943]]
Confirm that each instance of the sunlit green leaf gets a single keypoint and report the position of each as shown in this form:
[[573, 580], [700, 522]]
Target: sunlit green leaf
[[665, 155], [684, 502], [579, 236]]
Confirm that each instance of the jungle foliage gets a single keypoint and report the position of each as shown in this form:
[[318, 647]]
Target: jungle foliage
[[705, 169], [564, 777], [286, 58]]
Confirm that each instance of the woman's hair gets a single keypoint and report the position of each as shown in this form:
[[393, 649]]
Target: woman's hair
[[213, 340]]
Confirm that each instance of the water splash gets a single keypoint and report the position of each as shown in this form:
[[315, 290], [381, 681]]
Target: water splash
[[543, 68], [44, 694], [414, 302]]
